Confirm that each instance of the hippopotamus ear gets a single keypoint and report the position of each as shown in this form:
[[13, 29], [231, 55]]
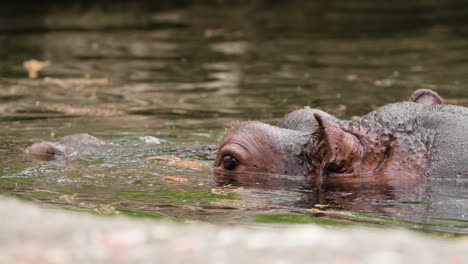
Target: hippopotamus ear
[[340, 150], [426, 97]]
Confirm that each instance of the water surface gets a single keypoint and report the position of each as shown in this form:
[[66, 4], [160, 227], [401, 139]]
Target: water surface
[[161, 80]]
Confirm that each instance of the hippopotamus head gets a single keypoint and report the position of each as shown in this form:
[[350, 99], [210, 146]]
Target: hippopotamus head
[[310, 142], [66, 148], [257, 147]]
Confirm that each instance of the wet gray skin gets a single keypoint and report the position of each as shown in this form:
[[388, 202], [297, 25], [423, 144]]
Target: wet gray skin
[[401, 142], [248, 146], [304, 120], [433, 136]]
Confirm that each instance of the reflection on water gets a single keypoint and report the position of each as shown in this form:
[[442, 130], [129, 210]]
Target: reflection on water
[[181, 71]]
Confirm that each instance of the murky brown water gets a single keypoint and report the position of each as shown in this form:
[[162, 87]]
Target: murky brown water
[[160, 80]]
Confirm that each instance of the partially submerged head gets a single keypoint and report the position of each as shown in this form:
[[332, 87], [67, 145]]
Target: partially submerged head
[[331, 149], [258, 147], [43, 151], [67, 147]]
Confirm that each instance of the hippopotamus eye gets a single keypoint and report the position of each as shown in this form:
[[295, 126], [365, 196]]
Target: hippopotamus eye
[[229, 162]]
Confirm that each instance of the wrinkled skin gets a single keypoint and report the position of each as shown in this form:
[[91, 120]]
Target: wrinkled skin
[[304, 120], [398, 143]]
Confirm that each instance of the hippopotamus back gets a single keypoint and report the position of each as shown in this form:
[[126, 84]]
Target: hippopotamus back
[[435, 135]]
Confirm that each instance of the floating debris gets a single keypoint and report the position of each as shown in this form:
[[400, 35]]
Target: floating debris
[[99, 208], [231, 47], [321, 205], [175, 179], [242, 204], [173, 160], [351, 77], [33, 67], [384, 82], [213, 33], [315, 211], [68, 198]]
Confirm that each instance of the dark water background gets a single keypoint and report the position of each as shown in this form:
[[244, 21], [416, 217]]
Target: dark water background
[[179, 72]]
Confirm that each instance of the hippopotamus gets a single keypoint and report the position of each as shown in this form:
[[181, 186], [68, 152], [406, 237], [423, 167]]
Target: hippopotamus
[[67, 147], [400, 143]]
